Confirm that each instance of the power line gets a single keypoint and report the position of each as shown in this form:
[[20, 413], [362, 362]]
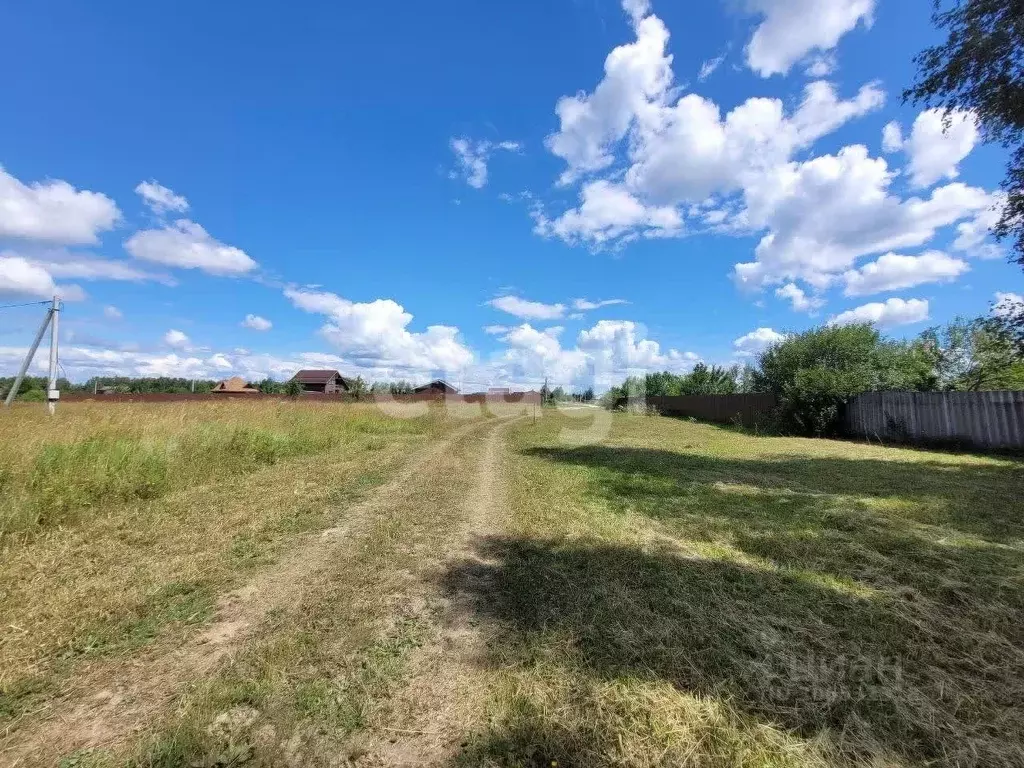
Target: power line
[[26, 304]]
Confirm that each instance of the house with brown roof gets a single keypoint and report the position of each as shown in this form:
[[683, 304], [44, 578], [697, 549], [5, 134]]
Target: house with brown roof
[[322, 381], [236, 384], [437, 386]]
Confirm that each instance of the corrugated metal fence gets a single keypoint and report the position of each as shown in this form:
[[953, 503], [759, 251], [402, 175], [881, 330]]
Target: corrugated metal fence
[[747, 410], [969, 419], [979, 419]]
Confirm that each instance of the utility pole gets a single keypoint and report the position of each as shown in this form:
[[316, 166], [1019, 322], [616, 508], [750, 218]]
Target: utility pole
[[52, 394], [31, 353]]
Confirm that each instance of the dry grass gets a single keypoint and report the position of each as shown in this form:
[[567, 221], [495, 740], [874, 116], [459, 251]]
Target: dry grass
[[690, 596], [316, 683], [678, 595], [126, 521]]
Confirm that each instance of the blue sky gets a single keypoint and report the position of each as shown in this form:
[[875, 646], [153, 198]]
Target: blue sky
[[405, 190]]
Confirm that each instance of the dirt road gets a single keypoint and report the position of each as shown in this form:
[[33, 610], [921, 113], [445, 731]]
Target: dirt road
[[375, 570]]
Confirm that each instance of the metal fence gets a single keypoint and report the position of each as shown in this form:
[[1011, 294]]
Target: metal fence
[[976, 419], [746, 410]]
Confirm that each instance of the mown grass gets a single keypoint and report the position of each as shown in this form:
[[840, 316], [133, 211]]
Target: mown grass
[[124, 522], [320, 674], [686, 595]]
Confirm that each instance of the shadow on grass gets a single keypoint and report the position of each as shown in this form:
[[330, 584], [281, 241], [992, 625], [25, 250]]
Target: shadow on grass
[[851, 622], [982, 500], [873, 676]]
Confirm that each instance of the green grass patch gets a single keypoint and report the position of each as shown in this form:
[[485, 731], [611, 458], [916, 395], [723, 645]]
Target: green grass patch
[[685, 595], [180, 604], [345, 702]]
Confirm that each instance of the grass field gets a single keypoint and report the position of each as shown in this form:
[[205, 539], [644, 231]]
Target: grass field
[[291, 584]]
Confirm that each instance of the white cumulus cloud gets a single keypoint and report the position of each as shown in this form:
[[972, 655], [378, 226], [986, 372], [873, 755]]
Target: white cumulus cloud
[[112, 313], [935, 149], [472, 158], [824, 213], [53, 211], [585, 305], [375, 335], [893, 272], [974, 236], [885, 314], [526, 309], [634, 74], [757, 341], [798, 298], [257, 323], [160, 199], [892, 137], [22, 278], [176, 338], [603, 355], [187, 245], [791, 29], [609, 212]]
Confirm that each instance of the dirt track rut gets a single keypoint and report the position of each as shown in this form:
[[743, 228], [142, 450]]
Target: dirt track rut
[[112, 702]]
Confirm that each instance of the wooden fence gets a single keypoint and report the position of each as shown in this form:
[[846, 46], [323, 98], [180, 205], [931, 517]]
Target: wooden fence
[[969, 419]]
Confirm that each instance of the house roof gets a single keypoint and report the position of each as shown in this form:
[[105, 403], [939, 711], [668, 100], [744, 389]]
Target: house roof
[[311, 376], [436, 384], [234, 384]]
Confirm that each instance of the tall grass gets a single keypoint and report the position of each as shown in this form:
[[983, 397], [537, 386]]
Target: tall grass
[[120, 522], [93, 456]]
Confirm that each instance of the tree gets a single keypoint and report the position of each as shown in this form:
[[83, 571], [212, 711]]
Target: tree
[[269, 387], [815, 372], [1008, 316], [978, 68], [357, 387], [975, 355], [703, 380], [293, 388]]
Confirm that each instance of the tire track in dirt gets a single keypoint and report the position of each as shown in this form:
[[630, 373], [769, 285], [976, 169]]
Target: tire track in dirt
[[445, 691], [106, 705]]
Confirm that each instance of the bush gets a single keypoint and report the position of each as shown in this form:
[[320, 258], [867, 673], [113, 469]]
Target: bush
[[814, 373]]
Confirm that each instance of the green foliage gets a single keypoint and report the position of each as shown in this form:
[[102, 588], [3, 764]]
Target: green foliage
[[357, 387], [32, 384], [270, 387], [293, 388], [975, 355], [815, 372], [702, 380], [978, 68], [400, 387], [149, 385]]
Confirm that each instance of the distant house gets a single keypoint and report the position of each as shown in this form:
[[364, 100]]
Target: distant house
[[234, 384], [498, 391], [326, 382], [438, 386]]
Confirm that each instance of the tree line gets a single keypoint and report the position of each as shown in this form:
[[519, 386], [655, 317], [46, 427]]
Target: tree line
[[812, 374]]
